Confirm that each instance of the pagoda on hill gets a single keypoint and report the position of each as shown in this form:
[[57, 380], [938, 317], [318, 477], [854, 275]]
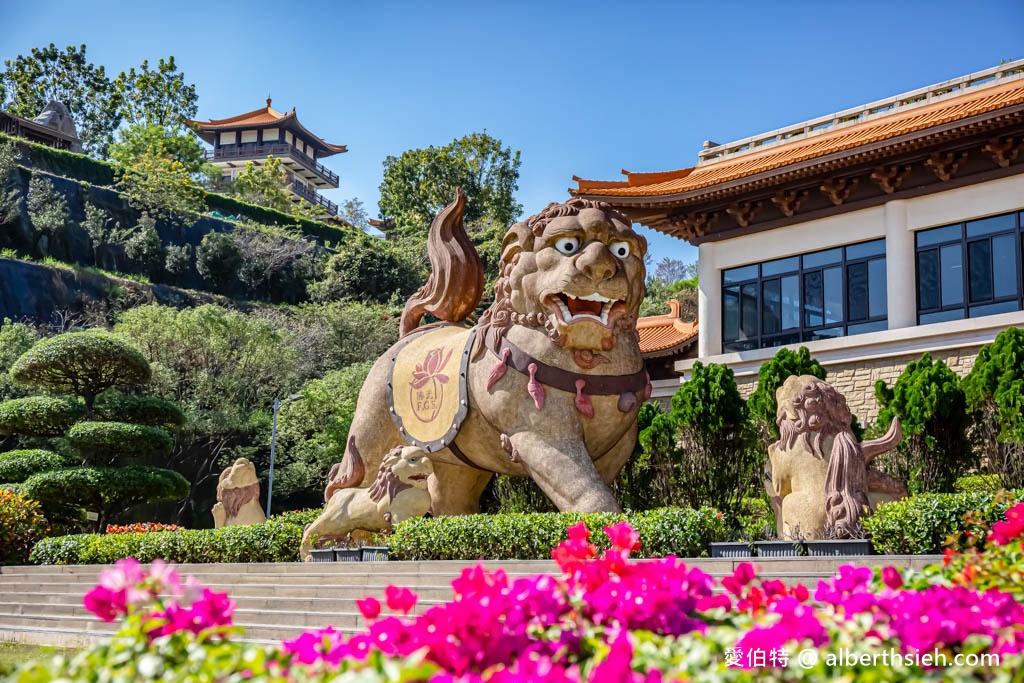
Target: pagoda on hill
[[257, 134]]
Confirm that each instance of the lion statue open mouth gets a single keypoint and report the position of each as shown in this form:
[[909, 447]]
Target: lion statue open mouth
[[547, 385]]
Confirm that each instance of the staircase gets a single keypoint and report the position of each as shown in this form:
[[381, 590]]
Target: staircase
[[43, 605]]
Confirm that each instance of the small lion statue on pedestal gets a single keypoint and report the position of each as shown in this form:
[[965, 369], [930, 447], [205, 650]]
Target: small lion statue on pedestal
[[399, 493], [238, 496], [818, 475]]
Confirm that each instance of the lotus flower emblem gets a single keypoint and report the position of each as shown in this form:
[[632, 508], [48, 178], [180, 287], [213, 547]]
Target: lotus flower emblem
[[426, 391]]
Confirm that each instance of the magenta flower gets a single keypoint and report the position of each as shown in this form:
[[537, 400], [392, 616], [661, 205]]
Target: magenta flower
[[369, 607], [623, 537], [892, 578], [105, 603], [399, 599]]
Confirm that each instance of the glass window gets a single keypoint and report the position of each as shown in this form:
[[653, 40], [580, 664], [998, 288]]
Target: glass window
[[857, 277], [928, 280], [1004, 265], [952, 275], [833, 295], [791, 303], [785, 265], [993, 224], [942, 316], [739, 274], [865, 249], [748, 311], [731, 313], [939, 235], [772, 307], [993, 309], [823, 258], [814, 299], [979, 263]]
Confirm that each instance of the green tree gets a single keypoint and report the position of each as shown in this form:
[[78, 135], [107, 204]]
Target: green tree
[[47, 208], [994, 391], [176, 145], [762, 404], [10, 197], [218, 259], [660, 292], [156, 97], [420, 182], [160, 186], [634, 484], [65, 75], [701, 452], [340, 333], [105, 234], [144, 245], [82, 363], [15, 339], [267, 185], [353, 212], [935, 451], [367, 273]]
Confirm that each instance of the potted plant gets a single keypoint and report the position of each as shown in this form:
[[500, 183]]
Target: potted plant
[[379, 550], [771, 546], [347, 550], [740, 547], [321, 550], [855, 543]]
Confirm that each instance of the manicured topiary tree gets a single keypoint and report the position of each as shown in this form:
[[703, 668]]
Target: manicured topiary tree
[[702, 451], [761, 404], [994, 390], [92, 367], [935, 450]]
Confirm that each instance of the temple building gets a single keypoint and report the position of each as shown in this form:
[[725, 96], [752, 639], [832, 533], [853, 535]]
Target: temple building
[[870, 236], [53, 127], [257, 134]]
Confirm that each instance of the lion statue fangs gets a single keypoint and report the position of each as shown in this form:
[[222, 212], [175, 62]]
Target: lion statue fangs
[[398, 493], [238, 496], [817, 473], [560, 337]]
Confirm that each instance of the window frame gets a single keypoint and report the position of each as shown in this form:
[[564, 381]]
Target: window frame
[[966, 304], [802, 332]]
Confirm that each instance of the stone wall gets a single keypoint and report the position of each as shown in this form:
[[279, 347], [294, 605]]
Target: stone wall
[[856, 379]]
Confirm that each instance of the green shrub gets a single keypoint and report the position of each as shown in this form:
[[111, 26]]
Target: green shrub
[[47, 208], [275, 541], [101, 441], [113, 406], [978, 483], [218, 259], [935, 450], [17, 466], [679, 531], [634, 484], [40, 415], [21, 525], [762, 404], [64, 163], [229, 206], [923, 523]]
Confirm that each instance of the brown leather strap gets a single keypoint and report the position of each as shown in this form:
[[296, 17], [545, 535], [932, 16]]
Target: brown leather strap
[[457, 452], [557, 378]]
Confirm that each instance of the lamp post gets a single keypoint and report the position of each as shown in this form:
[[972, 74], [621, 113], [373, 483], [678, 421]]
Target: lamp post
[[278, 403]]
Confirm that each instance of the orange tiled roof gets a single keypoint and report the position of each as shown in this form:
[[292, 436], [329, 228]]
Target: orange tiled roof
[[835, 140], [664, 332], [261, 117]]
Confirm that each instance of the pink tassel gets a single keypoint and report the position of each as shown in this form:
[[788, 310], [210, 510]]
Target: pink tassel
[[648, 388], [498, 371], [535, 388], [583, 403], [627, 402]]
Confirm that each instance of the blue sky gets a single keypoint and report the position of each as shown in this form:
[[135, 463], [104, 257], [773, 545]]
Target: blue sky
[[579, 88]]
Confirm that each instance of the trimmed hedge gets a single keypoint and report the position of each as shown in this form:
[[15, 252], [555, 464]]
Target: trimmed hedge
[[666, 531], [40, 415], [921, 524], [275, 541], [17, 466], [96, 488], [63, 163], [261, 214], [142, 410], [989, 483], [111, 439]]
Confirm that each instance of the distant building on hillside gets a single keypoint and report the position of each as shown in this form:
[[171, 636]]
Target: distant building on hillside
[[255, 135], [870, 236], [53, 127]]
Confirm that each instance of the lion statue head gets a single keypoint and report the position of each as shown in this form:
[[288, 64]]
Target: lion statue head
[[237, 486], [402, 468], [575, 269]]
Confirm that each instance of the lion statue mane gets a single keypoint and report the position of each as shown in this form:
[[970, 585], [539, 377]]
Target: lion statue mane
[[238, 496], [818, 475], [398, 493], [546, 386]]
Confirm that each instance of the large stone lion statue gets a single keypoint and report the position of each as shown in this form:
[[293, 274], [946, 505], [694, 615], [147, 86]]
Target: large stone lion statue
[[398, 493], [818, 475], [238, 496], [546, 386]]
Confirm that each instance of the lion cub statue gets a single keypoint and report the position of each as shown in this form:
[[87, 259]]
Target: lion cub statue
[[238, 496], [399, 493], [818, 475]]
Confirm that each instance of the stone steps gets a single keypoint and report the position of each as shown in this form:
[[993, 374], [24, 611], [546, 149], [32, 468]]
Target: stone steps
[[277, 601]]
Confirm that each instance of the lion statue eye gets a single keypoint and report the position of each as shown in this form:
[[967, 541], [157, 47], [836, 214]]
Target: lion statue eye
[[568, 245], [620, 249]]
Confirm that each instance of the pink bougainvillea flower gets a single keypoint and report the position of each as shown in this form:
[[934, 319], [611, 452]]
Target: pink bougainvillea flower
[[321, 645], [369, 607], [623, 537], [105, 603], [399, 599], [1004, 533], [892, 578]]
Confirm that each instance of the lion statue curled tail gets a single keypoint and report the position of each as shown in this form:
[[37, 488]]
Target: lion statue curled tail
[[546, 386], [398, 493], [818, 475]]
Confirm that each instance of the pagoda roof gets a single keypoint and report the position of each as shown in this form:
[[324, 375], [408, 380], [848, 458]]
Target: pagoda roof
[[665, 335], [776, 153], [262, 118]]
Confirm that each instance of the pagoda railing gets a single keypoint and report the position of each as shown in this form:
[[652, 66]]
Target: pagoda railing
[[250, 151], [314, 197]]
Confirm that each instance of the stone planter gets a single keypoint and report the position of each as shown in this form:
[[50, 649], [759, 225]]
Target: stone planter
[[374, 554], [844, 547], [322, 554], [731, 549], [348, 554], [780, 548]]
